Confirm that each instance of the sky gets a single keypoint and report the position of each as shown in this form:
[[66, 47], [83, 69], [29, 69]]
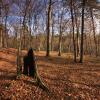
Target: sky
[[14, 19]]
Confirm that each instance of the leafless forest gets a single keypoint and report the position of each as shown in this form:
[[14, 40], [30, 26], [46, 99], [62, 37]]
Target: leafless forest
[[65, 37]]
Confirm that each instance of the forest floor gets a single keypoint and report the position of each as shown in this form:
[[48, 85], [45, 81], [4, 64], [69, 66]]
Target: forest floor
[[65, 79]]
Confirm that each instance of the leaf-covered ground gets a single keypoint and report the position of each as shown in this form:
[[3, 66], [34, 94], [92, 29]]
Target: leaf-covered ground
[[65, 79]]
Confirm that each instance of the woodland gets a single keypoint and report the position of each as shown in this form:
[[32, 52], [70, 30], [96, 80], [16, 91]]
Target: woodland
[[65, 37]]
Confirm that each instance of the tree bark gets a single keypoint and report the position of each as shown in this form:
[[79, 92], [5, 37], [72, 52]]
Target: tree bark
[[74, 45], [77, 34], [19, 63], [1, 32], [82, 32], [52, 38], [6, 35], [1, 38], [60, 42], [94, 33], [60, 36], [48, 28]]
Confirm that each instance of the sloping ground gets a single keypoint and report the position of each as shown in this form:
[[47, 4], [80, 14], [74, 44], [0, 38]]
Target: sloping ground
[[65, 79]]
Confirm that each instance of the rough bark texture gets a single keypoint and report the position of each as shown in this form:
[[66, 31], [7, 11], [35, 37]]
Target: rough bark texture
[[82, 32], [48, 28]]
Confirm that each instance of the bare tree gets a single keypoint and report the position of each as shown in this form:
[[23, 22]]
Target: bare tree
[[82, 32], [52, 38], [94, 33], [77, 30], [6, 8], [1, 19], [60, 32], [48, 28], [72, 18]]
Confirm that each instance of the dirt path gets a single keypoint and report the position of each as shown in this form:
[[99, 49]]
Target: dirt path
[[65, 79]]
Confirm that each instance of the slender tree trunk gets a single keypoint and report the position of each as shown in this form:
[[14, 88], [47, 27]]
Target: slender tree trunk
[[77, 29], [90, 45], [82, 32], [6, 35], [1, 33], [98, 44], [30, 38], [95, 41], [52, 38], [60, 34], [27, 4], [99, 41], [19, 65], [71, 8], [24, 41], [86, 43], [1, 38], [48, 28], [70, 41], [60, 41]]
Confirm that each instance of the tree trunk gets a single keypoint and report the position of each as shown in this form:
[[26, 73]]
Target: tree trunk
[[1, 33], [6, 35], [1, 38], [60, 35], [82, 32], [77, 29], [52, 38], [71, 8], [95, 41], [48, 28], [60, 42], [90, 45], [19, 67], [19, 64]]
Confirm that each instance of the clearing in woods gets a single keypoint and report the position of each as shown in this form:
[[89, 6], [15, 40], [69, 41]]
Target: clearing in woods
[[66, 80]]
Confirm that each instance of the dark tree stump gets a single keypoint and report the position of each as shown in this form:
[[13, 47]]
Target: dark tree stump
[[29, 64], [30, 69]]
